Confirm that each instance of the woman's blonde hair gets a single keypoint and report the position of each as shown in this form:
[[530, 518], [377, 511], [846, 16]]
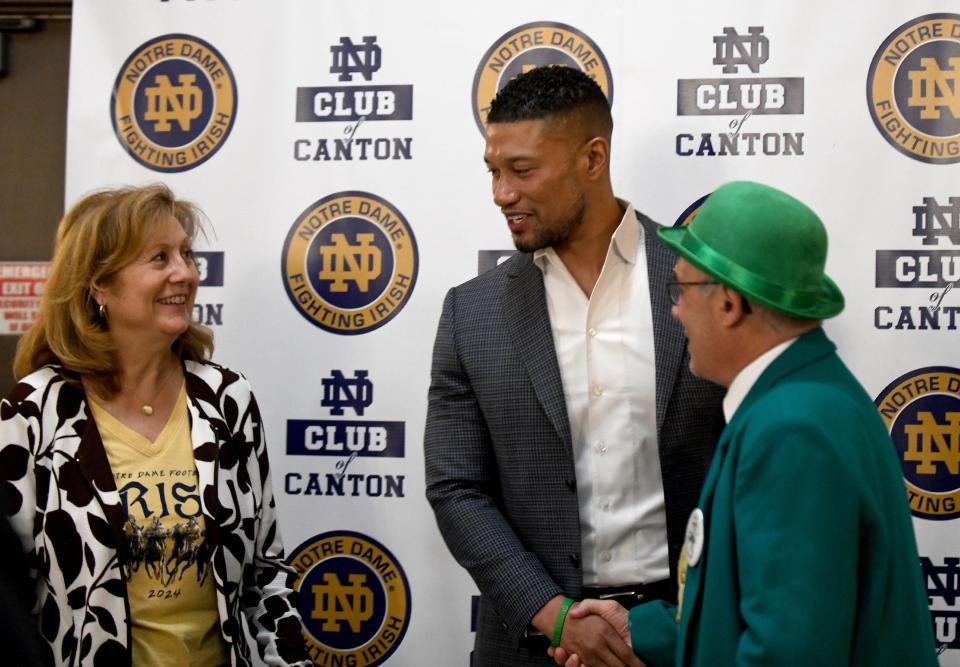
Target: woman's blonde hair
[[99, 236]]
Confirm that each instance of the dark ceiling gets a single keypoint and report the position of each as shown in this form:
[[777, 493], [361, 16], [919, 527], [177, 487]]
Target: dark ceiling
[[35, 8]]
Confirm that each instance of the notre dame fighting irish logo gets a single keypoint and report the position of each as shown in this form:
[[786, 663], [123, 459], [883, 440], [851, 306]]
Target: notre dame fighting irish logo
[[354, 599], [537, 44], [922, 411], [174, 103], [350, 262], [913, 88]]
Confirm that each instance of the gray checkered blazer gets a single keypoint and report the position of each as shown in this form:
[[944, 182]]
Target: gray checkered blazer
[[499, 458]]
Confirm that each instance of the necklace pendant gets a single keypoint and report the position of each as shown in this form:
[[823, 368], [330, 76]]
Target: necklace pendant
[[147, 410]]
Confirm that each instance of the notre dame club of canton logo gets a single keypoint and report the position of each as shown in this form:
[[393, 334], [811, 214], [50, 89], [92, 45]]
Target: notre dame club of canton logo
[[174, 103], [922, 412], [913, 88], [537, 44], [354, 599], [350, 262]]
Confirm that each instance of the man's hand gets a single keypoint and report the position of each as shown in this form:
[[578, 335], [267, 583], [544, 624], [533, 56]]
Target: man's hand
[[588, 637], [613, 618]]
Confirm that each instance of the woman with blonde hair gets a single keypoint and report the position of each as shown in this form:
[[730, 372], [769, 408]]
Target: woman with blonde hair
[[134, 469]]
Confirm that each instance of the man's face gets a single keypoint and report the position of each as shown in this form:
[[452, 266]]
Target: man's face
[[538, 180], [696, 311]]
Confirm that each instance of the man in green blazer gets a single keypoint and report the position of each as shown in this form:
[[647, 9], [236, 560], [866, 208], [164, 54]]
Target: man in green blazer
[[801, 551]]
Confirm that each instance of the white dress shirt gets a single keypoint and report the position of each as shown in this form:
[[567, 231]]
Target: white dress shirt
[[748, 376], [605, 351]]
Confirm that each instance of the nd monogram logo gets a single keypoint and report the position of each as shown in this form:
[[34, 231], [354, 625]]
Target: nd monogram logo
[[934, 221], [734, 49], [929, 442], [350, 262], [342, 261], [340, 393], [350, 59], [354, 599], [335, 602], [932, 88], [166, 102], [921, 409], [943, 589]]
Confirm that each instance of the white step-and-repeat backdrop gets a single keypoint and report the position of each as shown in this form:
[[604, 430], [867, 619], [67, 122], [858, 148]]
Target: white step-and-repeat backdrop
[[337, 150]]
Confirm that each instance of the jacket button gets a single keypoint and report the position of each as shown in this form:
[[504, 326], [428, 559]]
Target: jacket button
[[572, 485], [575, 559]]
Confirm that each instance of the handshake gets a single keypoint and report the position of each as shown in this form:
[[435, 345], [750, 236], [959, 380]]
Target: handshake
[[589, 633]]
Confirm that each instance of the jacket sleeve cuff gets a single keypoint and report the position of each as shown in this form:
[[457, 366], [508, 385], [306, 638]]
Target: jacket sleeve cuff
[[653, 633]]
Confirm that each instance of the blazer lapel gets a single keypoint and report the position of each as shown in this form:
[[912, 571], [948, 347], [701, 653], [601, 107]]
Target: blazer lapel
[[95, 467], [206, 435], [691, 592], [668, 339], [525, 312]]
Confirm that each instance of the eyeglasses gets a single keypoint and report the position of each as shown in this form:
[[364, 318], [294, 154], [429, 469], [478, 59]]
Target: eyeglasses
[[675, 288]]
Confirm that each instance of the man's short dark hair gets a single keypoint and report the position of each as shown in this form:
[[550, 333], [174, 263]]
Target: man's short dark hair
[[548, 91]]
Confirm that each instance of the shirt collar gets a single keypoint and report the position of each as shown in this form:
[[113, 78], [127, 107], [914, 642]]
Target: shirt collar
[[626, 239], [748, 376]]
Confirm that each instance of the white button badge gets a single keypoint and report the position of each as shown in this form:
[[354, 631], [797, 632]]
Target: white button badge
[[693, 540]]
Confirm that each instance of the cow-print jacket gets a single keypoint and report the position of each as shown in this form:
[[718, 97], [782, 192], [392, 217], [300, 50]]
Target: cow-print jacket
[[64, 504]]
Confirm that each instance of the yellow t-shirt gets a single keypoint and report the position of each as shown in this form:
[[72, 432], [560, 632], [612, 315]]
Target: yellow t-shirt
[[173, 602]]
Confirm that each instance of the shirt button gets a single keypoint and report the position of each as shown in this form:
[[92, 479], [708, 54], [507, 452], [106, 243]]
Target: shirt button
[[605, 556], [592, 332], [604, 504], [602, 447], [598, 390]]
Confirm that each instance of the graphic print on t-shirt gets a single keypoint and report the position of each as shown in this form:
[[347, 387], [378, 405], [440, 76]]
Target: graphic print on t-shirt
[[164, 528]]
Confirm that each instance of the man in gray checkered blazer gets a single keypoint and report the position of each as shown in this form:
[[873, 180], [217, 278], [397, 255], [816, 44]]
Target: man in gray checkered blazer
[[566, 439]]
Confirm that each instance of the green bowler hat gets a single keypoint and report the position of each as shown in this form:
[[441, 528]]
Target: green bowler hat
[[763, 243]]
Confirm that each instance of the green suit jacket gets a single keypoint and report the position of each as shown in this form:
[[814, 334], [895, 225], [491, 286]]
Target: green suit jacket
[[809, 556]]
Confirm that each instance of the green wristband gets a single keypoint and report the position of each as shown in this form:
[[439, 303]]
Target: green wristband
[[558, 624]]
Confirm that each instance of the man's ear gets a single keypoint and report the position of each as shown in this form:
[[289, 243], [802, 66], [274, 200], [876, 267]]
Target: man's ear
[[734, 307], [597, 154]]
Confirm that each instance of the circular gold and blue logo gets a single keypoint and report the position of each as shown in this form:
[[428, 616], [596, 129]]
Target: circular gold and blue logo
[[690, 212], [913, 90], [350, 262], [354, 599], [173, 103], [537, 44], [921, 410]]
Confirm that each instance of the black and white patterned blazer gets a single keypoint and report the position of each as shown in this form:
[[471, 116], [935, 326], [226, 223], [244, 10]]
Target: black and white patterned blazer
[[498, 451], [65, 506]]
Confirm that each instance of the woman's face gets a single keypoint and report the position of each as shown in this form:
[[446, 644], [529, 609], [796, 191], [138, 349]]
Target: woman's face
[[150, 299]]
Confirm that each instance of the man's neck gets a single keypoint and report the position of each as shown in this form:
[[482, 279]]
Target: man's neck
[[747, 376], [584, 254], [750, 348]]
